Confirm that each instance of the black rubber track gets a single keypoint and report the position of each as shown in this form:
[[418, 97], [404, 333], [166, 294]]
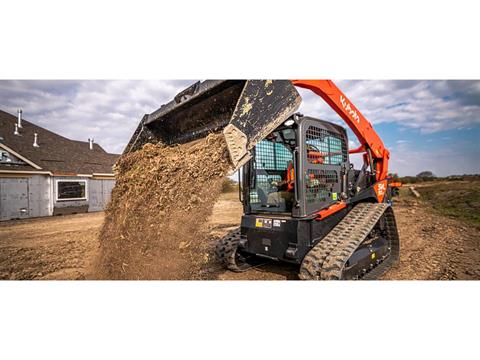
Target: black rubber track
[[327, 259], [394, 243]]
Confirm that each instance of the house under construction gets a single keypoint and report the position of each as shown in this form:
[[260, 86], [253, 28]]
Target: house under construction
[[44, 174]]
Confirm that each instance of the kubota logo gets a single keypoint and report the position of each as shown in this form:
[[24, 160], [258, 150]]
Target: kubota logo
[[352, 112]]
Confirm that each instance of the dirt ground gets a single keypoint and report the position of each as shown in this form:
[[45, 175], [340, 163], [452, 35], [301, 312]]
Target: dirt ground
[[433, 246], [61, 247]]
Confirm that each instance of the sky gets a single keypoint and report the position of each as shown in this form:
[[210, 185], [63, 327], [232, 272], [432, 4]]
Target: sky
[[427, 125]]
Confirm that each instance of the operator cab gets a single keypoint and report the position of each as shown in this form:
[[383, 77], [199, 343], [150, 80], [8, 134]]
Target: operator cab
[[301, 145], [272, 172]]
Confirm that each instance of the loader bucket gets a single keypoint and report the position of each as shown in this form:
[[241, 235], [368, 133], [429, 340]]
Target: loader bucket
[[245, 110]]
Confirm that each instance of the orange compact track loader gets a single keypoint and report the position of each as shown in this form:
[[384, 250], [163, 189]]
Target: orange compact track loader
[[395, 187], [303, 201]]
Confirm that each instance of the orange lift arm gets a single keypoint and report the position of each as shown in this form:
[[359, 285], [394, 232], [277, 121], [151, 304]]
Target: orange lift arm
[[361, 127]]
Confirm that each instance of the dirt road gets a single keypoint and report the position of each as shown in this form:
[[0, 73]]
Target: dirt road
[[433, 246]]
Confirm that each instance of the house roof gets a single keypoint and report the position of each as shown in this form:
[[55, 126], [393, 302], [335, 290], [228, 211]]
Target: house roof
[[55, 153]]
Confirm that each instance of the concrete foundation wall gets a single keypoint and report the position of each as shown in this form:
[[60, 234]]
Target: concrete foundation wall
[[30, 196], [99, 193], [40, 196], [25, 197]]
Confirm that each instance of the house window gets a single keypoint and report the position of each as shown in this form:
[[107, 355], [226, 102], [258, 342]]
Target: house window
[[71, 190]]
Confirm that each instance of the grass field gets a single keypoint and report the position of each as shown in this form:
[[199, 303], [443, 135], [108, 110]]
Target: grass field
[[457, 199]]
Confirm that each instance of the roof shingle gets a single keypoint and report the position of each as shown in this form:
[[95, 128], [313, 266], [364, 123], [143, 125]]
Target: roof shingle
[[55, 152]]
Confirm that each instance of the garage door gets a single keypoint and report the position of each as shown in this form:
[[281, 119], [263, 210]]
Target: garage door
[[13, 198]]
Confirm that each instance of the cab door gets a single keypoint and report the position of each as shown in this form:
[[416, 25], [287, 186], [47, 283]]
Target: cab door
[[323, 161]]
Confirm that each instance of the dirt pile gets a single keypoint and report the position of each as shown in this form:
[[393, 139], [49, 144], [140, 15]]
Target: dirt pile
[[155, 226]]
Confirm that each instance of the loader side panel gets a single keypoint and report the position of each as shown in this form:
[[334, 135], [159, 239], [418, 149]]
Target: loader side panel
[[283, 238]]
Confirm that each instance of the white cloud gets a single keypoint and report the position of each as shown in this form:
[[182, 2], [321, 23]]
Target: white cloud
[[108, 111], [407, 159], [429, 106], [353, 143]]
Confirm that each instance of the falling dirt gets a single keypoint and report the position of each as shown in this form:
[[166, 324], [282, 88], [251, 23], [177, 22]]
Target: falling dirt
[[155, 226]]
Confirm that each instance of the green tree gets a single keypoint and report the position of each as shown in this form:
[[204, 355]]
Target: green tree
[[425, 175]]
